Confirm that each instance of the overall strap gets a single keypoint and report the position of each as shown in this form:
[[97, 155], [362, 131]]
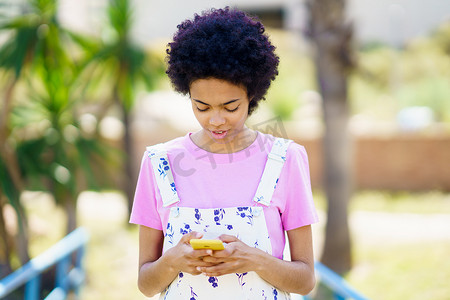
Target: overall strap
[[163, 174], [272, 171]]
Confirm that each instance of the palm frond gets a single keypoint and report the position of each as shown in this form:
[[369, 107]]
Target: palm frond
[[7, 185], [15, 52]]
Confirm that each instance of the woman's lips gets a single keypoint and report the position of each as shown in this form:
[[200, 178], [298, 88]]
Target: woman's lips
[[219, 134]]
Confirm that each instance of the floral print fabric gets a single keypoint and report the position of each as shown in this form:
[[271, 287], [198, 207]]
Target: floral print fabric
[[163, 174], [246, 223]]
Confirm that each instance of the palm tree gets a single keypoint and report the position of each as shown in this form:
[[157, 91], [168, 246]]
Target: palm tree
[[332, 37], [36, 57], [16, 54], [123, 67]]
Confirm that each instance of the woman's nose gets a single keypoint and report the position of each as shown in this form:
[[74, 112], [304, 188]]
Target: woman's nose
[[216, 119]]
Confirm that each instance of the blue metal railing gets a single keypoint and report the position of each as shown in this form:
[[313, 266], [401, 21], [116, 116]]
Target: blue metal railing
[[338, 286], [69, 274]]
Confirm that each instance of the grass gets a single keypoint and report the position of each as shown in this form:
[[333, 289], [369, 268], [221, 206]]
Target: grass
[[412, 271], [398, 269], [382, 270]]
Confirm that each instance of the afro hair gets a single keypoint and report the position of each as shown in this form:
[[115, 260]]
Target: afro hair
[[225, 44]]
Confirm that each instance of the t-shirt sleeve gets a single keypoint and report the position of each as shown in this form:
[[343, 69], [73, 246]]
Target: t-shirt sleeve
[[145, 209], [299, 209]]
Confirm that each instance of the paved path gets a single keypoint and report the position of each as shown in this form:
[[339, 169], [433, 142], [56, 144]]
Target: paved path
[[372, 227]]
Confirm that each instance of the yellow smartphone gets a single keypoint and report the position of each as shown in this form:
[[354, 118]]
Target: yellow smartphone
[[207, 244]]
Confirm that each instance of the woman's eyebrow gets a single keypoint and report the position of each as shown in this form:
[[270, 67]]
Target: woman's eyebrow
[[226, 103]]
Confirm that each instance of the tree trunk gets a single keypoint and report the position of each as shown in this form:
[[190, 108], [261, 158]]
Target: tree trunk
[[6, 151], [5, 244], [337, 248], [129, 167], [332, 38], [10, 159], [129, 172], [6, 247], [70, 206], [22, 239]]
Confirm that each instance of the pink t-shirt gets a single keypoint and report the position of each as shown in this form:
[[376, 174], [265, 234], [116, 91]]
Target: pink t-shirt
[[210, 180]]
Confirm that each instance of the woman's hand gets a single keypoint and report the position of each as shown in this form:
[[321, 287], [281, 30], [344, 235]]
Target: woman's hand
[[237, 257], [183, 258], [295, 276]]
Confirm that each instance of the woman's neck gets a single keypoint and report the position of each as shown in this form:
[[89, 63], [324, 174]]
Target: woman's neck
[[234, 144]]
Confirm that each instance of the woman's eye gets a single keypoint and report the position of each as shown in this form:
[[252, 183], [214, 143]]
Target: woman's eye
[[202, 109], [229, 110], [232, 110]]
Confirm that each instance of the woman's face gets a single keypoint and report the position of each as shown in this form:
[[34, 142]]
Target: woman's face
[[221, 108]]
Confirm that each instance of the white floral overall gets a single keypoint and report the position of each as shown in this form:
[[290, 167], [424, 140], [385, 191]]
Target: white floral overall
[[246, 223]]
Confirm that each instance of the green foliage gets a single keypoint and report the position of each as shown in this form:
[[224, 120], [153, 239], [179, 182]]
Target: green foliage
[[295, 75], [48, 71], [50, 91], [7, 186], [385, 81], [116, 60], [388, 80], [55, 86], [441, 37], [31, 34], [430, 92], [375, 66]]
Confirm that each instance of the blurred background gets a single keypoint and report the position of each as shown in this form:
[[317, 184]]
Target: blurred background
[[363, 85]]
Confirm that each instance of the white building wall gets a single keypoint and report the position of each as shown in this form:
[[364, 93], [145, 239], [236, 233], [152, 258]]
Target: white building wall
[[163, 17], [386, 21], [396, 21]]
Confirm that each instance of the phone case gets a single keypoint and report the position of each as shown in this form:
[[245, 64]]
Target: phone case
[[207, 244]]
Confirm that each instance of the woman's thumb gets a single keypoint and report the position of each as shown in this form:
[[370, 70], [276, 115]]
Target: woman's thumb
[[191, 235]]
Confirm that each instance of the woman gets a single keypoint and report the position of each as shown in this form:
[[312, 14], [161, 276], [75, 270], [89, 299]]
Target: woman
[[225, 181]]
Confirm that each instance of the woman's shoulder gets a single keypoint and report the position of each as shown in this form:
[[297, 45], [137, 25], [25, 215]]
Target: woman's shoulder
[[294, 148], [170, 146], [170, 149]]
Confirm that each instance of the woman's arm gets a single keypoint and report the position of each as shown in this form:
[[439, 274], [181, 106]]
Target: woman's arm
[[295, 276], [157, 271]]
